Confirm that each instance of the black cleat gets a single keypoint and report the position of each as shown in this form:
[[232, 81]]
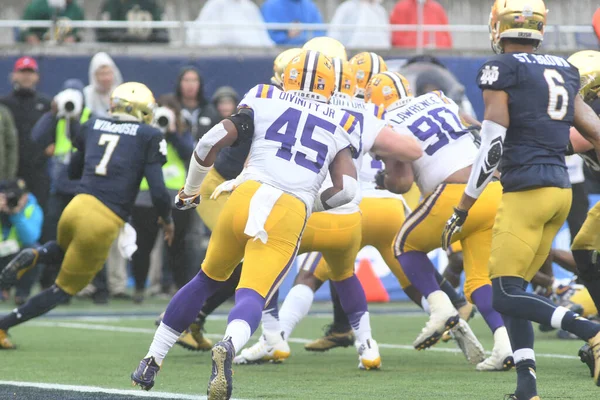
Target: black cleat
[[220, 384], [333, 338], [15, 269], [586, 355], [145, 374]]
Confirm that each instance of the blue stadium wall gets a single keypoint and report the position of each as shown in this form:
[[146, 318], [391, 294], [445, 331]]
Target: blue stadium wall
[[160, 74], [242, 73]]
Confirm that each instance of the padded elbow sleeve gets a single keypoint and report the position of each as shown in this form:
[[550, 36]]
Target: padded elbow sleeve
[[488, 158], [210, 138]]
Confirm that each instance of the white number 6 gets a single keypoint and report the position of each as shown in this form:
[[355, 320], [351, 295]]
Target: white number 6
[[554, 79]]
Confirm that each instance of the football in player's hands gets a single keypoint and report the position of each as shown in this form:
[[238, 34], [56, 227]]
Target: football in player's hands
[[185, 202]]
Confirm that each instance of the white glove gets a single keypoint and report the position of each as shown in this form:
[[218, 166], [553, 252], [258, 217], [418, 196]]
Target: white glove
[[126, 241], [227, 187]]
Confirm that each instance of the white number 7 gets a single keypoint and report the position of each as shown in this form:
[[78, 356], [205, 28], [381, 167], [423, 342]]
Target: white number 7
[[111, 142]]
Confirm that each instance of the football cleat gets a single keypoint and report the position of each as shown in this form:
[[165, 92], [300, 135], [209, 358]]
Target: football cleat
[[502, 355], [270, 347], [467, 342], [5, 342], [145, 374], [220, 384], [465, 312], [586, 355], [331, 339], [513, 397], [595, 347], [196, 330], [15, 269], [443, 316], [368, 355]]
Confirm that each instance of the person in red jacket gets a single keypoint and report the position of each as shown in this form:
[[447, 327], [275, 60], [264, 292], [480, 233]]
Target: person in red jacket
[[405, 13]]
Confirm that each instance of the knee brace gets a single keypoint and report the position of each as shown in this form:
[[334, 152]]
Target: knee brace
[[504, 290], [588, 264]]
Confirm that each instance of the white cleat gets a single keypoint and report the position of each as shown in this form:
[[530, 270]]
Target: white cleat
[[368, 355], [502, 355], [468, 342], [442, 317], [270, 347]]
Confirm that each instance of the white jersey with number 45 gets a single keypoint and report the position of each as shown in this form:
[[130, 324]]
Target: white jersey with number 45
[[447, 144], [295, 140]]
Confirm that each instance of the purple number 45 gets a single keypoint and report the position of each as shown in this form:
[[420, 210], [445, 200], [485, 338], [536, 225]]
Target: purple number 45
[[291, 119]]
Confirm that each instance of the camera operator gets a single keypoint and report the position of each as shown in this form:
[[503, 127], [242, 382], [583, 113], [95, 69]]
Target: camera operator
[[53, 133], [180, 147], [21, 219]]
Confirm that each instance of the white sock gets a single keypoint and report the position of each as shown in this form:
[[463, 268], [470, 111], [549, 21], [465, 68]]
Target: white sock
[[363, 333], [557, 317], [270, 323], [523, 354], [164, 339], [239, 331], [295, 307], [425, 305]]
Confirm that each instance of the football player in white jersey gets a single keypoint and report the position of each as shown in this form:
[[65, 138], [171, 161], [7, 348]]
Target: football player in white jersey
[[272, 345], [296, 138], [441, 174]]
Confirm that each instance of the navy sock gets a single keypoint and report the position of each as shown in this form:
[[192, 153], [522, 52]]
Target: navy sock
[[526, 380], [581, 327], [510, 298], [50, 253], [340, 319], [39, 304]]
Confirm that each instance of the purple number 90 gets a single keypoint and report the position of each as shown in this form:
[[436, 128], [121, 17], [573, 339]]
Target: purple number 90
[[291, 119]]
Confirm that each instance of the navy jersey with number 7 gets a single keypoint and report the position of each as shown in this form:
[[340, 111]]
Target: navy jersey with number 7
[[541, 91], [114, 156]]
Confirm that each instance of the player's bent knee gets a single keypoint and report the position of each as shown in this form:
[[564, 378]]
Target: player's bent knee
[[588, 264], [505, 291], [471, 285], [308, 279]]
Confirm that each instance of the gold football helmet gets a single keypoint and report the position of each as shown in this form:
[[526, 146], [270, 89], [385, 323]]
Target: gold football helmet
[[345, 77], [328, 46], [588, 64], [517, 19], [366, 65], [280, 62], [310, 74], [389, 90], [134, 100]]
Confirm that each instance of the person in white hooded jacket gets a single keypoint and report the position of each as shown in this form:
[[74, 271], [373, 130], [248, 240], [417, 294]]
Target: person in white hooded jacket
[[104, 76], [371, 25]]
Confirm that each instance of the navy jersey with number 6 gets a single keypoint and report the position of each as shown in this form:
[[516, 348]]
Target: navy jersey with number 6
[[541, 91], [116, 155]]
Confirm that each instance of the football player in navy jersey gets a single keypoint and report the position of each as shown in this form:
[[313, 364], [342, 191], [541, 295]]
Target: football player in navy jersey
[[531, 101], [113, 156]]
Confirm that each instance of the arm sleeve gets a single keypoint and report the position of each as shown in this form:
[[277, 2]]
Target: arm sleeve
[[11, 141], [43, 132], [158, 190], [28, 223], [497, 75], [184, 144]]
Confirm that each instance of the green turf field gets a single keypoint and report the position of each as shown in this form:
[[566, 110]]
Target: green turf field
[[103, 350]]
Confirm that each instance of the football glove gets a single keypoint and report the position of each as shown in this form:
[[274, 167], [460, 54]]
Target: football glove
[[454, 225], [187, 202], [227, 187], [380, 179]]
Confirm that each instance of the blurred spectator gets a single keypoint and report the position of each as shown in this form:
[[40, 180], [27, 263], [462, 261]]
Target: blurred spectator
[[104, 76], [21, 220], [292, 11], [9, 145], [596, 23], [27, 106], [61, 11], [180, 147], [405, 13], [199, 115], [234, 16], [225, 101], [371, 25], [133, 11], [53, 133]]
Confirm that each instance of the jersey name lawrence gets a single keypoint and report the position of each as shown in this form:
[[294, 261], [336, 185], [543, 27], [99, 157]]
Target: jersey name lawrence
[[541, 90], [433, 119], [295, 140]]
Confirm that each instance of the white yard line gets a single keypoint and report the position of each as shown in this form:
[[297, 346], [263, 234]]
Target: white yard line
[[95, 389], [123, 329]]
